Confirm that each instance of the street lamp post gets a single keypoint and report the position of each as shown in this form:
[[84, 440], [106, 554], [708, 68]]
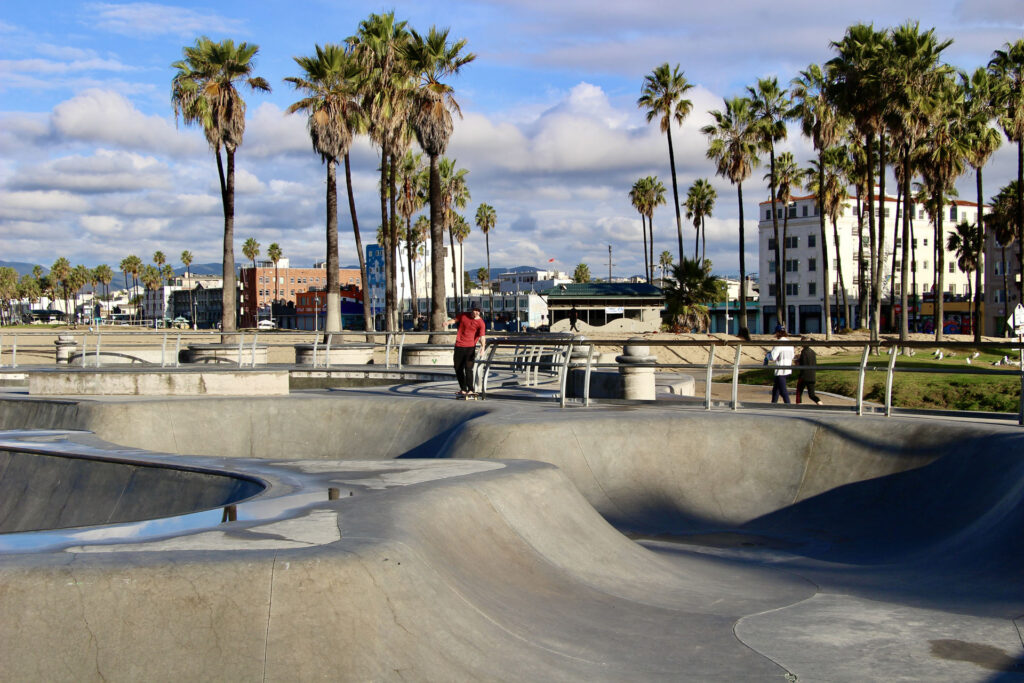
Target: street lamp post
[[316, 313]]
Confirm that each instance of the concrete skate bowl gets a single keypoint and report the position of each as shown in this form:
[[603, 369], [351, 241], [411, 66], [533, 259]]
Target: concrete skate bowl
[[41, 491], [852, 489]]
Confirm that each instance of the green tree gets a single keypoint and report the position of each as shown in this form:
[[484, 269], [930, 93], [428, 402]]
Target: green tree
[[186, 260], [770, 109], [982, 142], [60, 276], [788, 177], [733, 147], [638, 197], [964, 243], [655, 197], [453, 195], [274, 253], [1004, 221], [410, 200], [460, 231], [662, 98], [688, 292], [203, 92], [486, 219], [581, 275], [819, 121], [666, 262], [329, 84], [1007, 69], [8, 292], [433, 58], [104, 274], [700, 202]]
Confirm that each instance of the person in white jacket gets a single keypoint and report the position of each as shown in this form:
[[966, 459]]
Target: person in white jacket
[[782, 356]]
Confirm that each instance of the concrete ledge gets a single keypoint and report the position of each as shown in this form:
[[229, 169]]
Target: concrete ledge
[[347, 354], [428, 354], [159, 383], [228, 353]]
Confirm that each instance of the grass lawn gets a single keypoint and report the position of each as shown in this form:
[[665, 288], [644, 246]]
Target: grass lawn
[[997, 393]]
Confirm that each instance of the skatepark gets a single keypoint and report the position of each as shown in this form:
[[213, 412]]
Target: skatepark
[[393, 533]]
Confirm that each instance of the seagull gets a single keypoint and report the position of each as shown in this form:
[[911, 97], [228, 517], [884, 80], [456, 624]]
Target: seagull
[[968, 360], [939, 357], [1006, 360], [976, 354], [997, 363], [937, 353]]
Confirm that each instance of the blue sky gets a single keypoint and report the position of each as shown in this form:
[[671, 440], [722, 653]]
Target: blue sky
[[92, 166]]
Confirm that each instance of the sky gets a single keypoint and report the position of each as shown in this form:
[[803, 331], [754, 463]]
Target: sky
[[94, 167]]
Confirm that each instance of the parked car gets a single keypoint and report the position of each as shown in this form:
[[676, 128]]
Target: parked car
[[181, 323], [266, 325]]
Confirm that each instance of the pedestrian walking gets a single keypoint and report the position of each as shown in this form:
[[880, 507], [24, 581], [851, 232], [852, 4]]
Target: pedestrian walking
[[808, 375], [782, 356]]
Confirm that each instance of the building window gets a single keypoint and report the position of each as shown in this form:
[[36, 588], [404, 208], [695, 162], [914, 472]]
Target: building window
[[792, 289], [771, 290], [952, 289], [793, 265], [805, 210], [792, 242], [771, 243], [925, 242], [952, 267], [812, 264], [835, 264], [812, 241], [792, 210], [812, 288], [767, 214], [1000, 296], [952, 212], [771, 266], [925, 265]]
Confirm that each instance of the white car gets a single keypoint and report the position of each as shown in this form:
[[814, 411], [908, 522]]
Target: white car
[[266, 325]]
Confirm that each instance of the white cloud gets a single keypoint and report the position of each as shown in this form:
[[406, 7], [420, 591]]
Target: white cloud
[[105, 171], [105, 117], [22, 203], [270, 132], [151, 19]]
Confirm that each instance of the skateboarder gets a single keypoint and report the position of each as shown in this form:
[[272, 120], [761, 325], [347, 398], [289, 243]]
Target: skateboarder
[[470, 331]]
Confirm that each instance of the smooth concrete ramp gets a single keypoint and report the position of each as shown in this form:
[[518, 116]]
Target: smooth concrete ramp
[[799, 546]]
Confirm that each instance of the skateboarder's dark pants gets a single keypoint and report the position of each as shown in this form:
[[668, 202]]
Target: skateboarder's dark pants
[[464, 356]]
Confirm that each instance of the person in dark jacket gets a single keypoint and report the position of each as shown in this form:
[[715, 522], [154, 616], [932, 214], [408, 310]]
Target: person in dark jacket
[[808, 375]]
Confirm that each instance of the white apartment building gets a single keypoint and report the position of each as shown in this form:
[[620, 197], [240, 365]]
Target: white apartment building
[[803, 267], [531, 280]]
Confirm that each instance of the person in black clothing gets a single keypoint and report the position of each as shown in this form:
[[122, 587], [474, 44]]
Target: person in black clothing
[[574, 317], [808, 375]]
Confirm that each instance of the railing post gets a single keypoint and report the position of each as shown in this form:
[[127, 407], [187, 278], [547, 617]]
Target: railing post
[[401, 345], [14, 352], [487, 369], [586, 377], [177, 351], [564, 374], [252, 357], [327, 352], [387, 349], [888, 380], [85, 346], [316, 341], [860, 379], [707, 377], [163, 352], [736, 377], [241, 344]]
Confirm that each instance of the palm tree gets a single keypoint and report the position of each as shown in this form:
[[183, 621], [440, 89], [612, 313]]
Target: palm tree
[[104, 275], [771, 109], [581, 275], [159, 259], [329, 84], [826, 180], [964, 243], [913, 71], [1007, 67], [788, 177], [186, 260], [655, 197], [486, 219], [686, 296], [665, 261], [421, 237], [203, 92], [453, 193], [460, 231], [942, 158], [80, 277], [60, 273], [662, 97], [1003, 219], [433, 58], [251, 249], [818, 121], [983, 140], [638, 197], [410, 200], [700, 202], [274, 253], [856, 86], [733, 147]]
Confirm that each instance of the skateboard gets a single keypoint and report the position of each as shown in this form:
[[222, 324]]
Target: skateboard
[[469, 397]]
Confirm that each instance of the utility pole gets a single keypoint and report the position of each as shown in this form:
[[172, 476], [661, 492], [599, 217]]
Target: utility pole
[[609, 263]]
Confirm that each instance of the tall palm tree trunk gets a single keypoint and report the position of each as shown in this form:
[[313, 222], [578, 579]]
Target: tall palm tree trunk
[[643, 221], [862, 282], [826, 292], [979, 323], [389, 261], [940, 268], [455, 282], [785, 236], [742, 322], [703, 241], [907, 242], [438, 314], [333, 322], [839, 274], [675, 193], [780, 295], [367, 312], [1020, 219], [892, 269], [393, 247], [490, 279], [410, 254], [696, 239], [229, 295], [879, 260], [872, 239], [650, 245]]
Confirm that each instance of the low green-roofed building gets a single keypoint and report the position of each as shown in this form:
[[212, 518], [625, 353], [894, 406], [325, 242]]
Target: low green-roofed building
[[599, 303]]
